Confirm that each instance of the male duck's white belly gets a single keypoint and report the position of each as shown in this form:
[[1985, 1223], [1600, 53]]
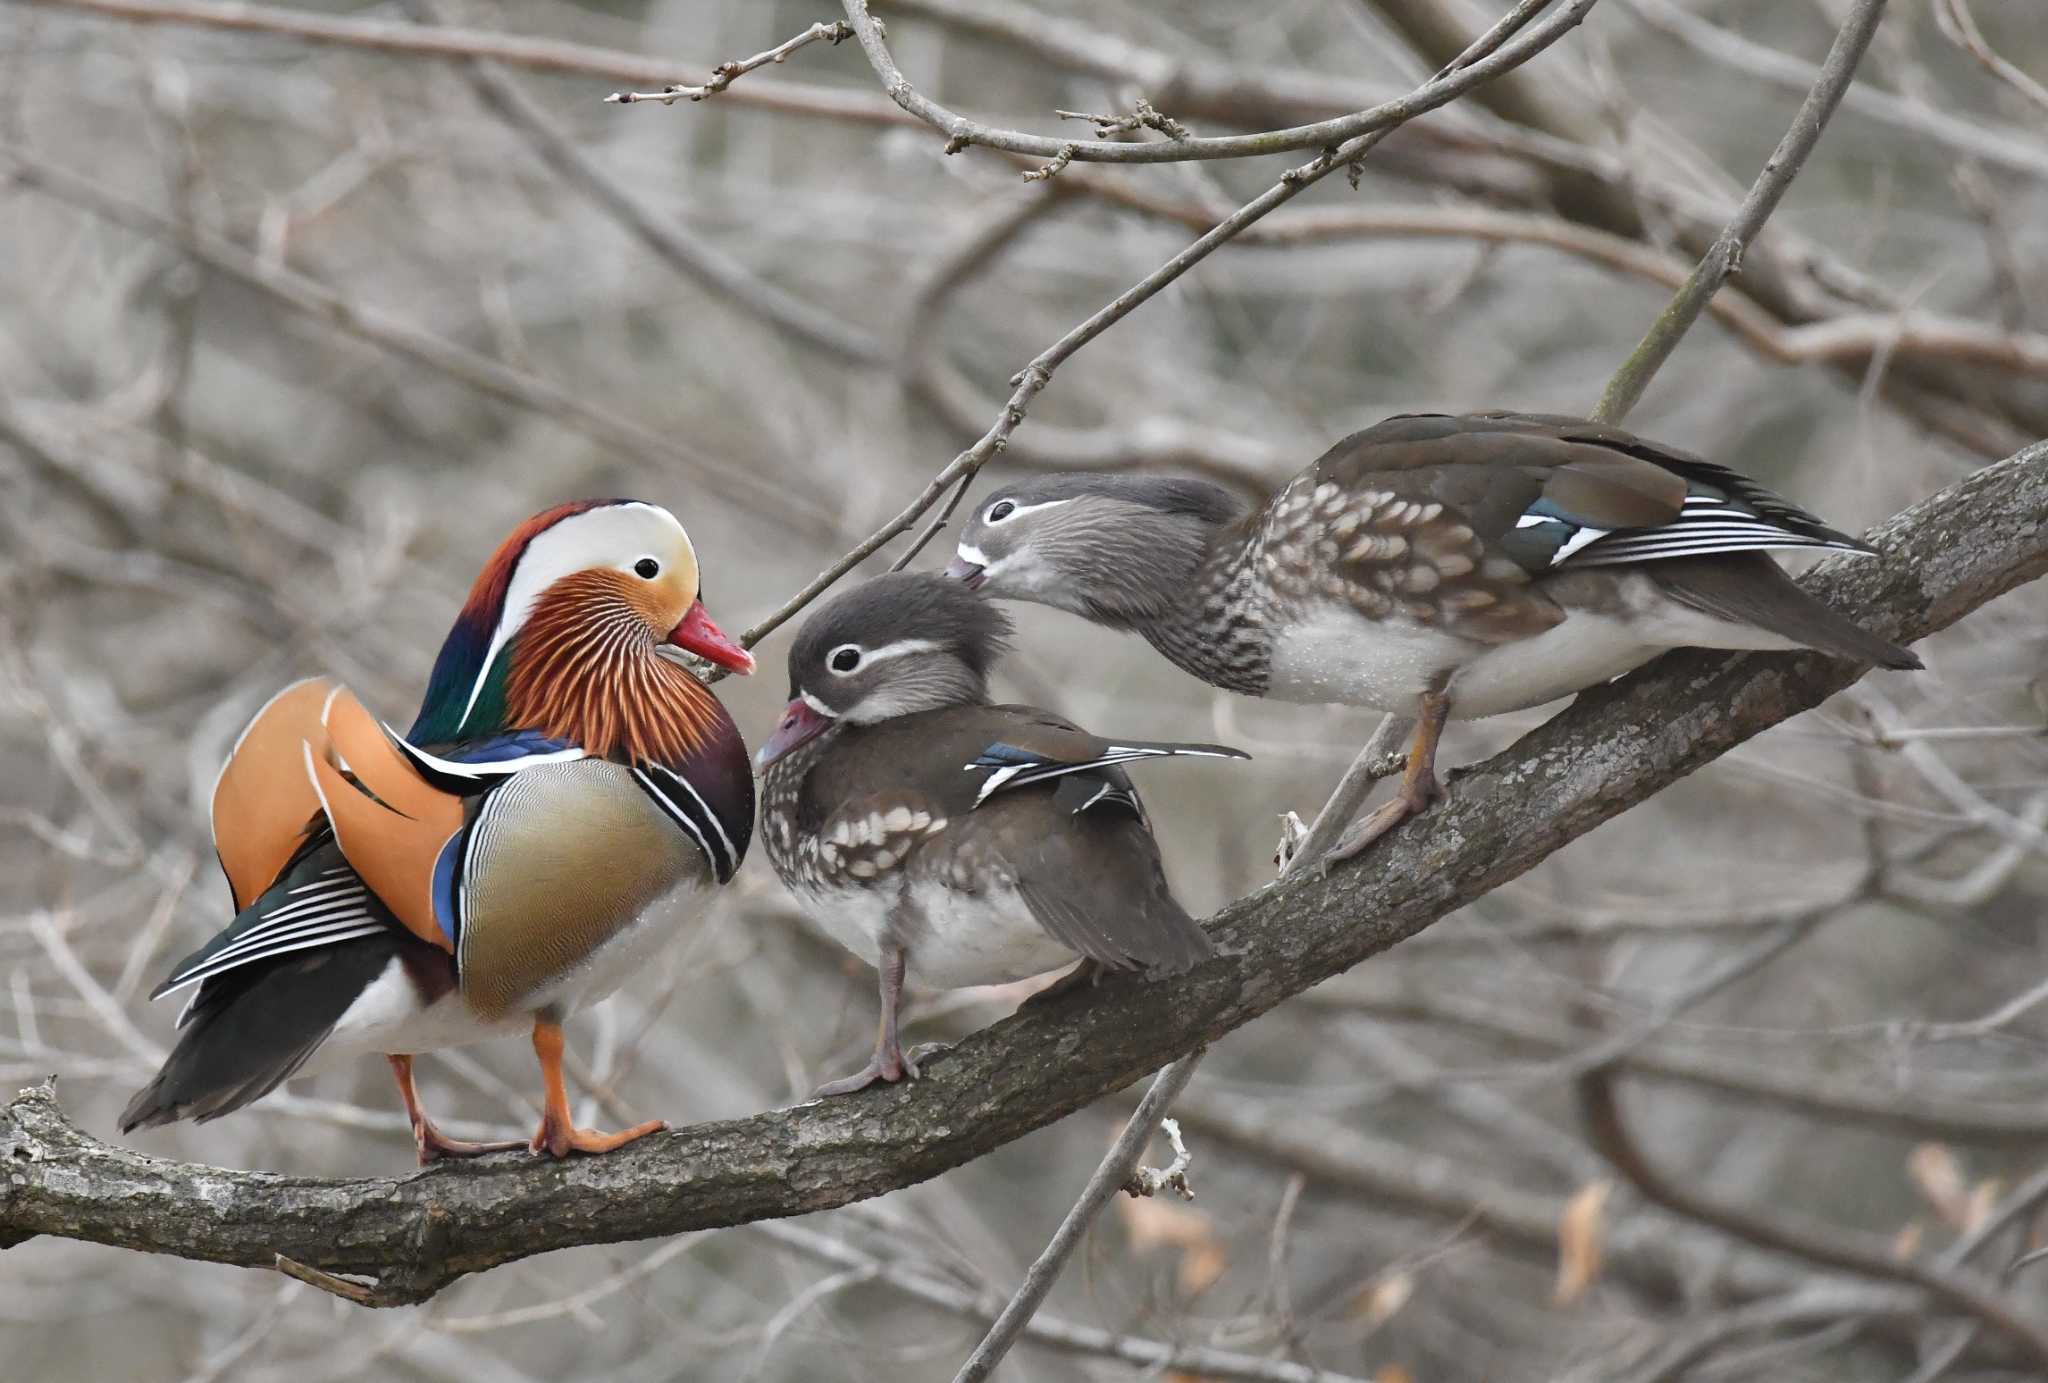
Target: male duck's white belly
[[392, 1017], [953, 938]]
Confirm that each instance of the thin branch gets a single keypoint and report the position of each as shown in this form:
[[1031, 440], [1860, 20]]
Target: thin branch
[[1831, 1247], [1116, 1169], [2006, 146], [726, 73], [1959, 26], [1725, 257], [1052, 1332], [534, 54], [1849, 339], [962, 133]]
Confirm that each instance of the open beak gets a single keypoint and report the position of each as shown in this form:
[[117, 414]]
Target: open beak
[[698, 635], [972, 573], [798, 725]]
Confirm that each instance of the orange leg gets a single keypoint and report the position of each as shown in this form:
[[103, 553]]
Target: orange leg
[[1419, 786], [558, 1134], [433, 1144]]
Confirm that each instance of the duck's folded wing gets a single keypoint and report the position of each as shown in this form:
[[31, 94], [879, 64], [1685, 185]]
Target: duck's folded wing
[[262, 800], [1044, 748], [317, 901], [401, 834]]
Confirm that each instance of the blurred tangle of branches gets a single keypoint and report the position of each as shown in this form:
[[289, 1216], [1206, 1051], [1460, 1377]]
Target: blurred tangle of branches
[[293, 329]]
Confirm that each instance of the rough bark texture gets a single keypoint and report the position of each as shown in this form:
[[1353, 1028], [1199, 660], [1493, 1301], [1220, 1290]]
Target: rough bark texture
[[1617, 745]]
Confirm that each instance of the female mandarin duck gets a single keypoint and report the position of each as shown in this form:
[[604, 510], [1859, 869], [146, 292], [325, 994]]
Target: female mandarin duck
[[934, 834], [496, 866], [1431, 565]]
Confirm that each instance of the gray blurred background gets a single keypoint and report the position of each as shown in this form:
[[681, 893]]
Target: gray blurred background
[[207, 490]]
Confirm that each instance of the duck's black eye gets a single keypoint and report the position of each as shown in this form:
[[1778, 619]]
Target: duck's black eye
[[845, 658], [1000, 510], [647, 567]]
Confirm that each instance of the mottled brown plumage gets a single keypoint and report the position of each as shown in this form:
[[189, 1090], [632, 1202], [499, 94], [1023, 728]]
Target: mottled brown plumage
[[1432, 565], [936, 835]]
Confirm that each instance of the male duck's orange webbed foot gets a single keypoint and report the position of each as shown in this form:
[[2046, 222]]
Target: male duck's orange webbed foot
[[558, 1135], [1419, 787], [433, 1145]]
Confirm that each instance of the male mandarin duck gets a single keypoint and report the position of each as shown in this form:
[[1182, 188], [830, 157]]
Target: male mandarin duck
[[1431, 565], [495, 867], [936, 835]]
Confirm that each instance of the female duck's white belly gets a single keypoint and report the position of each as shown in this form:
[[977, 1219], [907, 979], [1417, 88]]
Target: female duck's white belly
[[952, 939], [1334, 654]]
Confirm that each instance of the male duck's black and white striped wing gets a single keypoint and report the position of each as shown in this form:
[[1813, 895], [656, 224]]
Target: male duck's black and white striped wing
[[318, 901]]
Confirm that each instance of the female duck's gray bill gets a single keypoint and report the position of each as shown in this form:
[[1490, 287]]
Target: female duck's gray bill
[[799, 724], [972, 573]]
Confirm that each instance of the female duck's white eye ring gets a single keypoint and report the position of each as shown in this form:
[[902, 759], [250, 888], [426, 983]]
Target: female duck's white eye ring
[[844, 659], [1000, 510]]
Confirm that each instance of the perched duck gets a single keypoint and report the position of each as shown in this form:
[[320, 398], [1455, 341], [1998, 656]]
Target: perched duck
[[1431, 565], [494, 868], [936, 835]]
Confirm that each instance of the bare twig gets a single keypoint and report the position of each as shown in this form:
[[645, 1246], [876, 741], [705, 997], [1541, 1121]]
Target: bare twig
[[2008, 147], [1381, 757], [962, 133], [726, 73], [1959, 26], [1052, 1332], [1116, 1169], [534, 54], [1725, 257], [1142, 117]]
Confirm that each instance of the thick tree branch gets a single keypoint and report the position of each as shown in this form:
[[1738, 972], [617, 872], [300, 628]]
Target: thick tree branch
[[1616, 746]]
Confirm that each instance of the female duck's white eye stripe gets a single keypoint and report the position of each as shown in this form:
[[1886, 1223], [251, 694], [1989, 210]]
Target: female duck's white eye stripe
[[901, 647], [1018, 511]]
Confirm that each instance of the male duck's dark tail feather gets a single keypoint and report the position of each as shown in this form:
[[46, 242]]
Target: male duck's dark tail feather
[[1750, 588], [251, 1028]]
